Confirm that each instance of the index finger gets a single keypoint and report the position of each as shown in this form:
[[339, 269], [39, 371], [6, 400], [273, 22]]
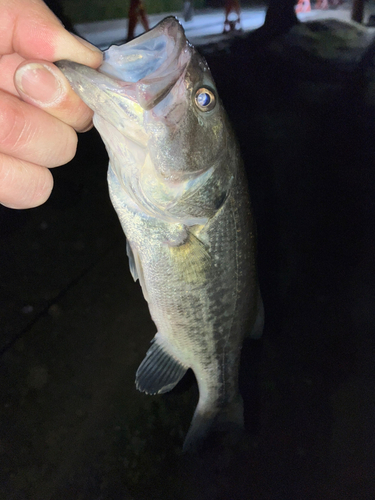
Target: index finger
[[30, 29]]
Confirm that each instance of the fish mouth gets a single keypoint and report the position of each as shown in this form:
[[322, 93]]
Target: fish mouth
[[154, 61], [135, 76]]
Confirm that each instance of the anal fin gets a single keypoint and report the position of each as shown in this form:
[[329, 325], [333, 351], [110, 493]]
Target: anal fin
[[159, 372]]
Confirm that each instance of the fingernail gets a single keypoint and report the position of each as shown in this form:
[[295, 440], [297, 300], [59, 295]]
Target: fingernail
[[39, 83]]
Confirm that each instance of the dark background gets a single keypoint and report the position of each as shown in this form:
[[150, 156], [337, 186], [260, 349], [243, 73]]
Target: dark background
[[75, 327]]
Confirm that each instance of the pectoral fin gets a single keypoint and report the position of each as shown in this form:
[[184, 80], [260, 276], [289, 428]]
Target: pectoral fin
[[192, 259], [132, 267], [159, 372], [136, 269]]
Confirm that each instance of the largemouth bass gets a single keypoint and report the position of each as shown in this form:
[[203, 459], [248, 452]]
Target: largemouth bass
[[177, 182]]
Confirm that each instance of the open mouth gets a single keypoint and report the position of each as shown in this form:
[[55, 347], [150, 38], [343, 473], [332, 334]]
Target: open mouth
[[143, 70], [153, 62], [154, 52]]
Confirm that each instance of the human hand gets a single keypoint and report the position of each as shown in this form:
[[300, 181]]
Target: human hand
[[39, 112]]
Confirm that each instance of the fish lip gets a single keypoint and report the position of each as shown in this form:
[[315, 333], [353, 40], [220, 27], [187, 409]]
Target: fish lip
[[83, 78], [169, 24]]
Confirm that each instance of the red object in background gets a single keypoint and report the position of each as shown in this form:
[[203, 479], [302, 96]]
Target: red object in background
[[322, 4], [303, 6], [136, 10], [232, 6]]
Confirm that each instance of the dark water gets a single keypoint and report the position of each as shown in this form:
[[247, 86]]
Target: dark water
[[75, 326]]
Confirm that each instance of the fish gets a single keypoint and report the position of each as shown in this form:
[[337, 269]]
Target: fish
[[177, 182]]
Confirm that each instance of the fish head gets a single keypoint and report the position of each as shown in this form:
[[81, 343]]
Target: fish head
[[155, 103], [183, 117]]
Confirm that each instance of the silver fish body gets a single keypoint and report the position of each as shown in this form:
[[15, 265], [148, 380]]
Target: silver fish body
[[177, 182]]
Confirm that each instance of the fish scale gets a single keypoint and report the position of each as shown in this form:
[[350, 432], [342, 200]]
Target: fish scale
[[177, 182]]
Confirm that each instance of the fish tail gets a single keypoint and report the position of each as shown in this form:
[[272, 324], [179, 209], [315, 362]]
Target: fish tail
[[210, 428]]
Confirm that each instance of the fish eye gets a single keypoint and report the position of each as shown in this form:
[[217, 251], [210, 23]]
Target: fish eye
[[205, 99]]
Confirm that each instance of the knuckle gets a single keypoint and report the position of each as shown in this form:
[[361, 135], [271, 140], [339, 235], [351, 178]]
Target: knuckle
[[33, 135], [67, 148], [6, 171], [23, 184], [14, 130]]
